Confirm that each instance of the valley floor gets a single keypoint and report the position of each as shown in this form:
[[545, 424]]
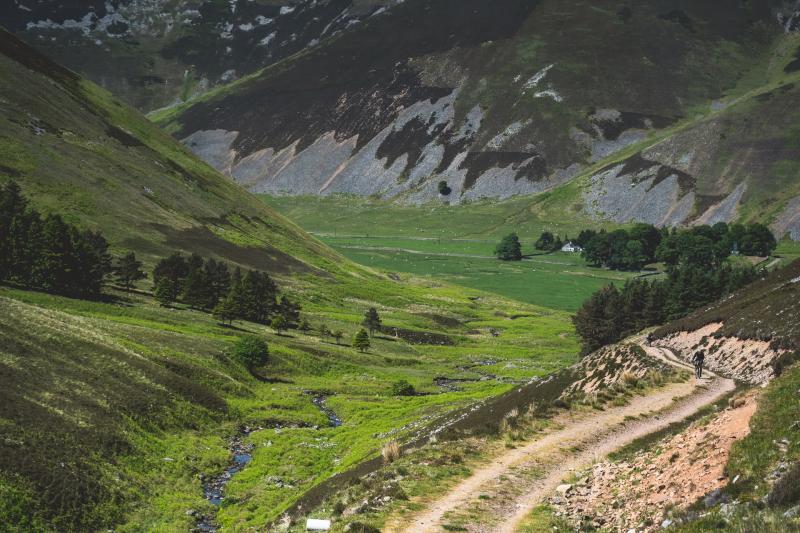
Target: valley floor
[[456, 244]]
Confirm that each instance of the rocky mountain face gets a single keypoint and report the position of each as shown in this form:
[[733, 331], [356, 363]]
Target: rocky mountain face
[[518, 97], [742, 161], [154, 53]]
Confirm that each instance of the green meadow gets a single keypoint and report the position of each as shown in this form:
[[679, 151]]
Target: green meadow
[[454, 244], [180, 432]]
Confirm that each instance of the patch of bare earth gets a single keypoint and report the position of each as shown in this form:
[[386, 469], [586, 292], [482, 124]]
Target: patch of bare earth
[[499, 495], [640, 493], [746, 360]]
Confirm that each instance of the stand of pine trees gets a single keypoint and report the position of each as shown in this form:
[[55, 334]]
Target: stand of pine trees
[[206, 284], [610, 314], [47, 253], [643, 243]]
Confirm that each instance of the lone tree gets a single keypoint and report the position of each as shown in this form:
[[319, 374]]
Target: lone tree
[[361, 341], [444, 188], [509, 248], [129, 270], [403, 388], [372, 321], [337, 335], [251, 351], [324, 332]]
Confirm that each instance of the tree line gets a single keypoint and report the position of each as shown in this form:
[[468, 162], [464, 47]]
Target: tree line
[[50, 254], [209, 285], [611, 314], [643, 244], [46, 252]]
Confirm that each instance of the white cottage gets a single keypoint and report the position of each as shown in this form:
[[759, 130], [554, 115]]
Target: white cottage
[[571, 248]]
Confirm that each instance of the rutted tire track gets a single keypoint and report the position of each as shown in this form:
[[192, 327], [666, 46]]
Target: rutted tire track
[[505, 491]]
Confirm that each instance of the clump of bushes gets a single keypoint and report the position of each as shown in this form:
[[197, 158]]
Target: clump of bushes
[[403, 388], [251, 351]]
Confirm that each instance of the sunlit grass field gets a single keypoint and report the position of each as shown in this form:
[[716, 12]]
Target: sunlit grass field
[[173, 439], [455, 244]]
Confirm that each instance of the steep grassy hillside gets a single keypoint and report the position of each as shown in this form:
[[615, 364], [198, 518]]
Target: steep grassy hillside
[[159, 52], [496, 100], [77, 150]]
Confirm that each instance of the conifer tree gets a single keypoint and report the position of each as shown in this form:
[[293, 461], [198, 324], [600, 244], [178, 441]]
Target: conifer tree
[[219, 278], [289, 310], [372, 321], [236, 300], [279, 324], [166, 291], [173, 267], [129, 270], [197, 290], [361, 341], [545, 241], [223, 312], [258, 296], [13, 206]]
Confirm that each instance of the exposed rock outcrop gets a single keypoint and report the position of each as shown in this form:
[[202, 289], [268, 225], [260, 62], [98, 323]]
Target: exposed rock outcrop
[[746, 360]]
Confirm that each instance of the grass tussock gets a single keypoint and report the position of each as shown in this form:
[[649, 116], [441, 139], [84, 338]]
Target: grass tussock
[[390, 452]]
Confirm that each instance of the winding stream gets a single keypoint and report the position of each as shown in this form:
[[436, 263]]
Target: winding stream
[[241, 455], [214, 487], [333, 420]]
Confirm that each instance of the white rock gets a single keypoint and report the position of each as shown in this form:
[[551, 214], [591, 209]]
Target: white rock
[[564, 489], [313, 524]]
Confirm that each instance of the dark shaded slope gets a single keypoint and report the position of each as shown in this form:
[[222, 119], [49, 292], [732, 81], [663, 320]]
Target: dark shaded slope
[[155, 53], [76, 150], [357, 84]]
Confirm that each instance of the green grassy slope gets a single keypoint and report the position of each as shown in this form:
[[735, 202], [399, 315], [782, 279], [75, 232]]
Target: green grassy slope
[[136, 400], [77, 150], [111, 410]]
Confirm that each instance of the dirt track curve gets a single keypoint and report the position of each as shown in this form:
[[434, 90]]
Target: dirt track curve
[[498, 496]]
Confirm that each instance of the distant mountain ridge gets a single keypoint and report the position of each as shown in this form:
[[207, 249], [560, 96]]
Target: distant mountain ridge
[[519, 98], [153, 53]]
